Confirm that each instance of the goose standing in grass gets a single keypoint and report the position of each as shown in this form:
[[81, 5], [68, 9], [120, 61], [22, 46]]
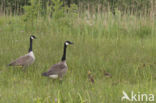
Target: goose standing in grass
[[58, 70], [27, 59]]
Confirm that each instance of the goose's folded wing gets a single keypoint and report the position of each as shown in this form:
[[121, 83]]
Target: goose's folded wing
[[57, 68], [24, 60]]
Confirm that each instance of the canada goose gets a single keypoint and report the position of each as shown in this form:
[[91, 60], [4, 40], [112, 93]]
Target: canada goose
[[58, 70], [27, 59]]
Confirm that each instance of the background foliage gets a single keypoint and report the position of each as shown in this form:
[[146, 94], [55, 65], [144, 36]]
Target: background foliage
[[141, 6]]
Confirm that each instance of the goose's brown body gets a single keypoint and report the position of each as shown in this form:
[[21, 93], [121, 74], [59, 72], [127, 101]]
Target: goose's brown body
[[25, 60], [57, 70]]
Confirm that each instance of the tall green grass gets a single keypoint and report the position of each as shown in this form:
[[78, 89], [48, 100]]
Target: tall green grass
[[123, 45]]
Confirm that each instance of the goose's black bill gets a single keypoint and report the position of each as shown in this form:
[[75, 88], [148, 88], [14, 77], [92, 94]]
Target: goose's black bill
[[71, 43]]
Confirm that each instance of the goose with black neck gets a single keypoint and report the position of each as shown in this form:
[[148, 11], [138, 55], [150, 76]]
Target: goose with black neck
[[28, 58], [59, 70]]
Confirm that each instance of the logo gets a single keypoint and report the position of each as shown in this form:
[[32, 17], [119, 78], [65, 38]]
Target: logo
[[137, 97]]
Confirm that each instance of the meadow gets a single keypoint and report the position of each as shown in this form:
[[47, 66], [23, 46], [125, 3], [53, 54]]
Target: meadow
[[122, 45]]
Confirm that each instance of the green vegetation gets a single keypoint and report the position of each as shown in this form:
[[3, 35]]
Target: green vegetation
[[14, 7], [122, 44]]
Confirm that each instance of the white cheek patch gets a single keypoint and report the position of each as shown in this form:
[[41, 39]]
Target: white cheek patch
[[32, 37], [67, 43], [53, 76]]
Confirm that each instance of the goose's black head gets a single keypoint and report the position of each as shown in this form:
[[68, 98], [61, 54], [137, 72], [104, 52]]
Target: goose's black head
[[65, 46], [32, 37], [31, 41], [68, 43]]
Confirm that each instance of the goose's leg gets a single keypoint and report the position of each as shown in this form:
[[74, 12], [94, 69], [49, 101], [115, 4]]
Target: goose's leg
[[60, 79], [24, 68]]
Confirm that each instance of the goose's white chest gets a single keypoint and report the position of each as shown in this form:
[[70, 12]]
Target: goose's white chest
[[32, 55]]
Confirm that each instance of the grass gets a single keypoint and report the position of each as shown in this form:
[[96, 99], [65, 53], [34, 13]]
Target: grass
[[124, 46]]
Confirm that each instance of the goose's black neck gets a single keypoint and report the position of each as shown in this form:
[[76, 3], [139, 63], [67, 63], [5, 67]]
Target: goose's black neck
[[30, 48], [64, 53]]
